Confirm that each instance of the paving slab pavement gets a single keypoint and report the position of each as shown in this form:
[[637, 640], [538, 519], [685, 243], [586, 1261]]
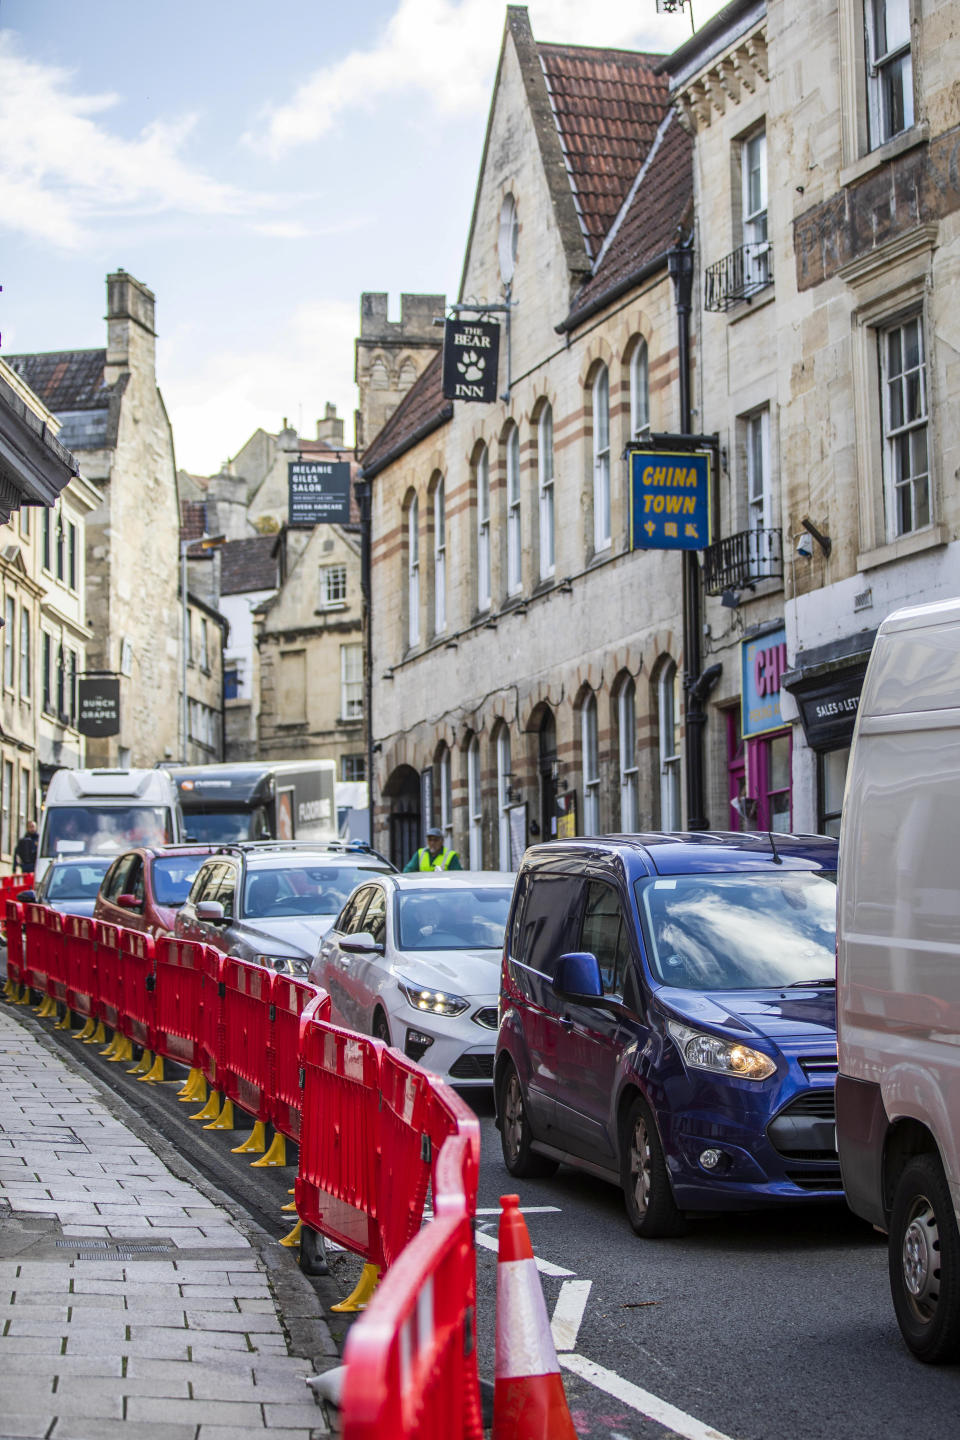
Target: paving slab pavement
[[133, 1302]]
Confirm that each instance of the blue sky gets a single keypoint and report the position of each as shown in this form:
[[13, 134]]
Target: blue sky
[[258, 166]]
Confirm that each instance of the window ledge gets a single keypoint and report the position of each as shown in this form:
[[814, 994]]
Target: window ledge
[[752, 304], [907, 140], [325, 608], [902, 549]]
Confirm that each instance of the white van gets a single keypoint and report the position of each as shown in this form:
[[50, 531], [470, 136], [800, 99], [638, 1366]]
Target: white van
[[898, 969], [101, 811]]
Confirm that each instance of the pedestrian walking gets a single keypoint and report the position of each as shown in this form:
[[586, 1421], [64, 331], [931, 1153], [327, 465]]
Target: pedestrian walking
[[25, 855], [434, 855]]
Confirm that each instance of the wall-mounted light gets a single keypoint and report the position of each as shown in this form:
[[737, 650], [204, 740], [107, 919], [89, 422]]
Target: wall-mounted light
[[730, 599]]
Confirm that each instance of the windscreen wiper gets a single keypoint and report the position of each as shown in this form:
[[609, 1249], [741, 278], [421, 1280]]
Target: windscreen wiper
[[829, 981]]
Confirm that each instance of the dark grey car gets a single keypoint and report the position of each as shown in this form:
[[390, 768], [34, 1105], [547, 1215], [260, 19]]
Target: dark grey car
[[272, 902]]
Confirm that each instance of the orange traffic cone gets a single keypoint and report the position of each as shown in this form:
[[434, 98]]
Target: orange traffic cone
[[528, 1399]]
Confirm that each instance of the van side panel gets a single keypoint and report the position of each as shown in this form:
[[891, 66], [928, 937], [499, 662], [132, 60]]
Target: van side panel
[[899, 919]]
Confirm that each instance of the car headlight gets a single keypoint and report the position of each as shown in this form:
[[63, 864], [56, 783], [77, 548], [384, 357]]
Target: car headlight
[[285, 964], [723, 1057], [433, 1002]]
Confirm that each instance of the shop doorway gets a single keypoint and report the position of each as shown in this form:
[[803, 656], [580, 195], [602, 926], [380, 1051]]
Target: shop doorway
[[547, 768], [402, 791]]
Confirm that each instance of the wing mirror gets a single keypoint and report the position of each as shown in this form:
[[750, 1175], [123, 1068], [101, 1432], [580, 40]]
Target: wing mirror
[[211, 911], [128, 902], [578, 977], [26, 897], [362, 943]]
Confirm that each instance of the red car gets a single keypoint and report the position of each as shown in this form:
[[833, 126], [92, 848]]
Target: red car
[[144, 888]]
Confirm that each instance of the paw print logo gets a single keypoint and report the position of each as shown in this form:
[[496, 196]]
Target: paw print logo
[[472, 365]]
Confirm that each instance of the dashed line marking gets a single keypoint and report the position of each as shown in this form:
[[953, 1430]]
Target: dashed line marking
[[489, 1242], [568, 1313], [641, 1400]]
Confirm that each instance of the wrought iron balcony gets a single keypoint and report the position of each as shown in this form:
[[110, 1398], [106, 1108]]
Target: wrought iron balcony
[[738, 562], [739, 275]]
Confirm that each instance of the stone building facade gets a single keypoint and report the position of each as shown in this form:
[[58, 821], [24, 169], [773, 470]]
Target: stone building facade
[[840, 362], [113, 419], [391, 354], [526, 662]]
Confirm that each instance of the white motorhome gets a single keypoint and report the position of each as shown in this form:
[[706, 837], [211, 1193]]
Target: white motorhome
[[100, 811], [898, 969]]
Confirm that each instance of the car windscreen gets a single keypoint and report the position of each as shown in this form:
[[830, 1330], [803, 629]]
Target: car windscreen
[[172, 877], [92, 829], [275, 891], [740, 931], [453, 917], [79, 881], [225, 827]]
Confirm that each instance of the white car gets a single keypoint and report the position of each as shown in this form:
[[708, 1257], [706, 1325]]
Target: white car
[[415, 960]]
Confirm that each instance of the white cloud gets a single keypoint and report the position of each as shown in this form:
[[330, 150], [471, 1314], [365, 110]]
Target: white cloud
[[446, 50], [61, 170], [229, 392]]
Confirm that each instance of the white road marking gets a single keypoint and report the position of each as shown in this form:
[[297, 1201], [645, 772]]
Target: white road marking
[[568, 1313], [524, 1210], [641, 1400], [489, 1242]]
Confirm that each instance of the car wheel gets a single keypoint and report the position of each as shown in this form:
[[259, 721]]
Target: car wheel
[[381, 1030], [651, 1208], [516, 1136], [924, 1257]]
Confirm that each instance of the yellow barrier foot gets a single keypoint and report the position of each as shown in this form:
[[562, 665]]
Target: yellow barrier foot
[[7, 988], [154, 1075], [361, 1295], [224, 1120], [143, 1064], [111, 1049], [194, 1089], [211, 1110], [87, 1030], [65, 1021], [124, 1051], [43, 1009], [99, 1036], [276, 1155], [293, 1239], [255, 1143], [24, 995], [292, 1207]]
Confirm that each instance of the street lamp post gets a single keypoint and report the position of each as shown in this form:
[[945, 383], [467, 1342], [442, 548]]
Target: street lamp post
[[201, 542]]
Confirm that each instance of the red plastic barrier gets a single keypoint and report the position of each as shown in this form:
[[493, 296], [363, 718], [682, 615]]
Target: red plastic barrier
[[411, 1357], [35, 941], [411, 1127], [11, 885], [180, 966], [210, 1026], [14, 914], [289, 998], [80, 965], [337, 1189], [110, 968], [138, 1018], [246, 1036], [56, 955]]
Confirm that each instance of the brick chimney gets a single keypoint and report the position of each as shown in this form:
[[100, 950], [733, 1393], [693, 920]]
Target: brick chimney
[[330, 428]]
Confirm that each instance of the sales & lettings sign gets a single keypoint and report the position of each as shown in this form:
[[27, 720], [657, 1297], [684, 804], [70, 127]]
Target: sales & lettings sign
[[669, 500]]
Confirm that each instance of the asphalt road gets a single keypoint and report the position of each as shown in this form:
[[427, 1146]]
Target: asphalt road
[[758, 1326]]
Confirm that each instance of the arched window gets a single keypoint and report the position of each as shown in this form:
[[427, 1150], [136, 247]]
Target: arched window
[[439, 558], [601, 460], [483, 530], [668, 717], [545, 491], [591, 766], [413, 572], [475, 804], [639, 392], [514, 570], [446, 798], [503, 795], [627, 727]]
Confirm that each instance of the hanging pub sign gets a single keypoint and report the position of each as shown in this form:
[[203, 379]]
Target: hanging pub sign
[[669, 500], [98, 705], [319, 492], [471, 357]]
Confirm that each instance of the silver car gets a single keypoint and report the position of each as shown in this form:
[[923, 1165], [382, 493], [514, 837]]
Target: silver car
[[415, 960], [272, 902]]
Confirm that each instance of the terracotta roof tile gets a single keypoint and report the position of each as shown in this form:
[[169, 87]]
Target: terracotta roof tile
[[422, 409], [250, 564], [608, 105], [661, 203], [65, 379]]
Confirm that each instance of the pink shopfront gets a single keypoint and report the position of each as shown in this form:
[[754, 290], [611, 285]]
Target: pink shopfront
[[759, 743]]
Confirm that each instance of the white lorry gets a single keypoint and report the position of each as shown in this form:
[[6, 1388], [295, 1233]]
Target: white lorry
[[898, 969], [90, 812]]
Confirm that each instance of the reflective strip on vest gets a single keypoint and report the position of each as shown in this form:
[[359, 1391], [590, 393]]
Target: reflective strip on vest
[[427, 862]]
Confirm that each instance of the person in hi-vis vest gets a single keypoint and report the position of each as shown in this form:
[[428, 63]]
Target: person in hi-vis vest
[[433, 856]]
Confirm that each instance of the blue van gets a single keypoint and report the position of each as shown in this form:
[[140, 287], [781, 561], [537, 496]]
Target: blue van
[[668, 1020]]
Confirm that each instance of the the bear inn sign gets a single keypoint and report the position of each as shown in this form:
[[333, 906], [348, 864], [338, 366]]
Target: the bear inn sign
[[471, 355]]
